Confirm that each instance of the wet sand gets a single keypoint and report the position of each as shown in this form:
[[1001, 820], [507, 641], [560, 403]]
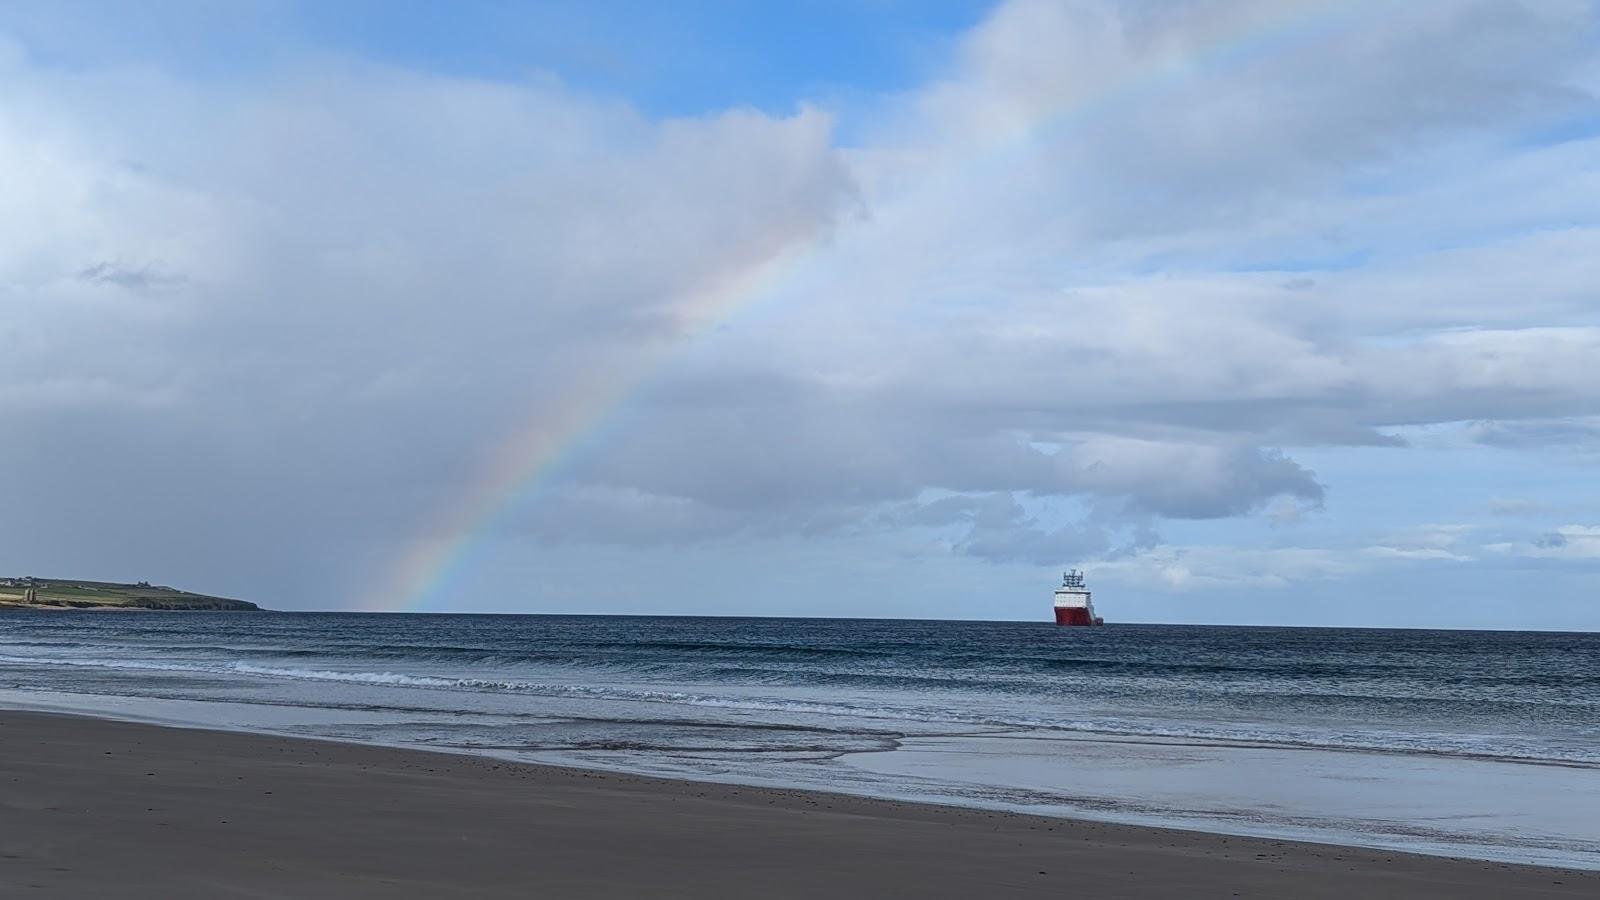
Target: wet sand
[[100, 808]]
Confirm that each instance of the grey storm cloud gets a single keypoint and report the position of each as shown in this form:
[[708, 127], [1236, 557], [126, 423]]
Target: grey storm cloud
[[271, 327]]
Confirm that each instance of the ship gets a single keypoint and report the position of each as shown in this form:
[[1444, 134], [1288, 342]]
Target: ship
[[1072, 602]]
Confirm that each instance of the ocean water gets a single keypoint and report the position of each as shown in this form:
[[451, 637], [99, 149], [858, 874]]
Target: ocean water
[[1482, 744]]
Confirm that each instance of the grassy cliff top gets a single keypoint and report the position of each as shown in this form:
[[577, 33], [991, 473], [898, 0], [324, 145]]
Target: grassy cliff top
[[73, 593]]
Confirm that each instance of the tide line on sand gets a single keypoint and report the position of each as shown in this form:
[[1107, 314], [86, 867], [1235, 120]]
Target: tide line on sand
[[102, 808]]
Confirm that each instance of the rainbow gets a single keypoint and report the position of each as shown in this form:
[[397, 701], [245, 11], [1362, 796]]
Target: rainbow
[[524, 466]]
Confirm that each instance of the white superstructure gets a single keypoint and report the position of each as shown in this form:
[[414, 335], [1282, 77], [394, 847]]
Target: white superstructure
[[1072, 594]]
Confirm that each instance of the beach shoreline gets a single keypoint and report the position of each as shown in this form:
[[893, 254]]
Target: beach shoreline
[[100, 806], [1333, 797]]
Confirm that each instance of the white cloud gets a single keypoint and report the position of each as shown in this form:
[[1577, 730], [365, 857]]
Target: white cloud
[[1438, 553], [1570, 542], [1202, 567]]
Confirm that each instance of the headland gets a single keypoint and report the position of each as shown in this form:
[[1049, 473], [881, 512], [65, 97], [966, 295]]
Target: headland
[[28, 592]]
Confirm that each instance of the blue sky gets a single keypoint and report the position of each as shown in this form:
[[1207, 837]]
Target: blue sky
[[1261, 311], [666, 59]]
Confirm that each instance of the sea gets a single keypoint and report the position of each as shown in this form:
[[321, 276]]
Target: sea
[[1461, 743]]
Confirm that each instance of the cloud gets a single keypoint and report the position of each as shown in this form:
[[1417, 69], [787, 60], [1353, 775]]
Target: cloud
[[1198, 567], [1200, 115], [1116, 266], [999, 528], [1515, 506], [1415, 553], [133, 278], [1536, 434], [1554, 540], [1202, 567], [1568, 542], [383, 273]]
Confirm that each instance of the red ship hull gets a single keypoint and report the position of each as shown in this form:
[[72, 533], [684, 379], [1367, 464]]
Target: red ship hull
[[1073, 615]]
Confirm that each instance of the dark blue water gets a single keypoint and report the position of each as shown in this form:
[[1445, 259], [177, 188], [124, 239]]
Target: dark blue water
[[1471, 743], [1522, 695]]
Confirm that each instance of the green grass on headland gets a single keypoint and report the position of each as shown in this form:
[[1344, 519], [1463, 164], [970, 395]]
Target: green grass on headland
[[72, 593]]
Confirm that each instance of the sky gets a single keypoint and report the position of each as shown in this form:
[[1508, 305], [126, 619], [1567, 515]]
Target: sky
[[1259, 312]]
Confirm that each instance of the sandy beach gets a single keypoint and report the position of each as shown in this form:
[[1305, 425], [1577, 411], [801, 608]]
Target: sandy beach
[[102, 808]]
